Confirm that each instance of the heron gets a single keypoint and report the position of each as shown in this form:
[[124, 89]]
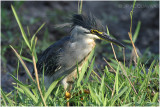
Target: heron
[[60, 59]]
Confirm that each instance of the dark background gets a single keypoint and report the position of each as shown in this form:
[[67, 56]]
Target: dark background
[[116, 15]]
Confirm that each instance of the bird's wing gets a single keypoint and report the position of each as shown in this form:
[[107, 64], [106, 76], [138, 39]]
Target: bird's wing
[[48, 60]]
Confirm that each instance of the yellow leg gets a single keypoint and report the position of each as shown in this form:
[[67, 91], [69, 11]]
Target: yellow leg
[[67, 96], [68, 90]]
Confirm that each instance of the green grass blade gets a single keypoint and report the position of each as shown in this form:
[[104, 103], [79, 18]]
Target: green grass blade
[[117, 96], [32, 39], [90, 70], [56, 94], [127, 105], [34, 50], [148, 76], [24, 65], [127, 94], [134, 4], [21, 28], [84, 68], [116, 79], [29, 93], [93, 95], [28, 31], [51, 87], [121, 85], [105, 101], [19, 89], [36, 33], [127, 41], [5, 98], [107, 30], [80, 4], [42, 82], [155, 98], [19, 82], [142, 99], [26, 59], [136, 32], [142, 85], [77, 70], [102, 88]]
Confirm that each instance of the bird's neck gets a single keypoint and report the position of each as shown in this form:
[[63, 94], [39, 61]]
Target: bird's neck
[[77, 50], [90, 42], [85, 42]]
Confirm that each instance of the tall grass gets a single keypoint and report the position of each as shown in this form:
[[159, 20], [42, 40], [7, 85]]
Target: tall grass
[[127, 86]]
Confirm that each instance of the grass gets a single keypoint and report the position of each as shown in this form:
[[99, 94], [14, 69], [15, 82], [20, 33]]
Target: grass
[[134, 85]]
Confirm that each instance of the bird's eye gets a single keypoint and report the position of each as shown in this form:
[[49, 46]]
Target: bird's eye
[[95, 31], [92, 31]]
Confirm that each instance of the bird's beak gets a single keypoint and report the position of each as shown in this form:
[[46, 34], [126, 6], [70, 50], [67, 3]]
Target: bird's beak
[[104, 36]]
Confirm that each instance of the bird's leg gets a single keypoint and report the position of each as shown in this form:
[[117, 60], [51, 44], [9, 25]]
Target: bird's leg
[[67, 94]]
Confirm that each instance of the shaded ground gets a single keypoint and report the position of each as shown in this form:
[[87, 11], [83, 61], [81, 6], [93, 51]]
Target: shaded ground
[[113, 14]]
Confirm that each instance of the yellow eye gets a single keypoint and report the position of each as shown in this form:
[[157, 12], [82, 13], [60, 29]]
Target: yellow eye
[[96, 31], [92, 31]]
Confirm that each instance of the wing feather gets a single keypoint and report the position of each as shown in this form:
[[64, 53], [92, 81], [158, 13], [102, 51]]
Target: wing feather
[[49, 59]]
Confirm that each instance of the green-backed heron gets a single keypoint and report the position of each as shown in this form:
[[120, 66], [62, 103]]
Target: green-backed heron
[[61, 58]]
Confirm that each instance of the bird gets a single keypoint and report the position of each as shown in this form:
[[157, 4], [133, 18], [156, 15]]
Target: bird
[[60, 59]]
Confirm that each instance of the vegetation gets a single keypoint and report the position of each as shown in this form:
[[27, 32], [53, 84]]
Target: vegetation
[[134, 85]]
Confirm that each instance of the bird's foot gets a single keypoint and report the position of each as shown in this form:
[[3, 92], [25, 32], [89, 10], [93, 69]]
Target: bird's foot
[[86, 91], [67, 96]]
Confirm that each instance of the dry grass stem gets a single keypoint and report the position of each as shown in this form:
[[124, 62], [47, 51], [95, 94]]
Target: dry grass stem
[[125, 73], [123, 68], [24, 65], [114, 52], [130, 36], [37, 79], [101, 80], [109, 64], [124, 58]]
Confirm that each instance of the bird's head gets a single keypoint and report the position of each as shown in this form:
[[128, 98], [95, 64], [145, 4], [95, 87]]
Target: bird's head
[[90, 27]]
